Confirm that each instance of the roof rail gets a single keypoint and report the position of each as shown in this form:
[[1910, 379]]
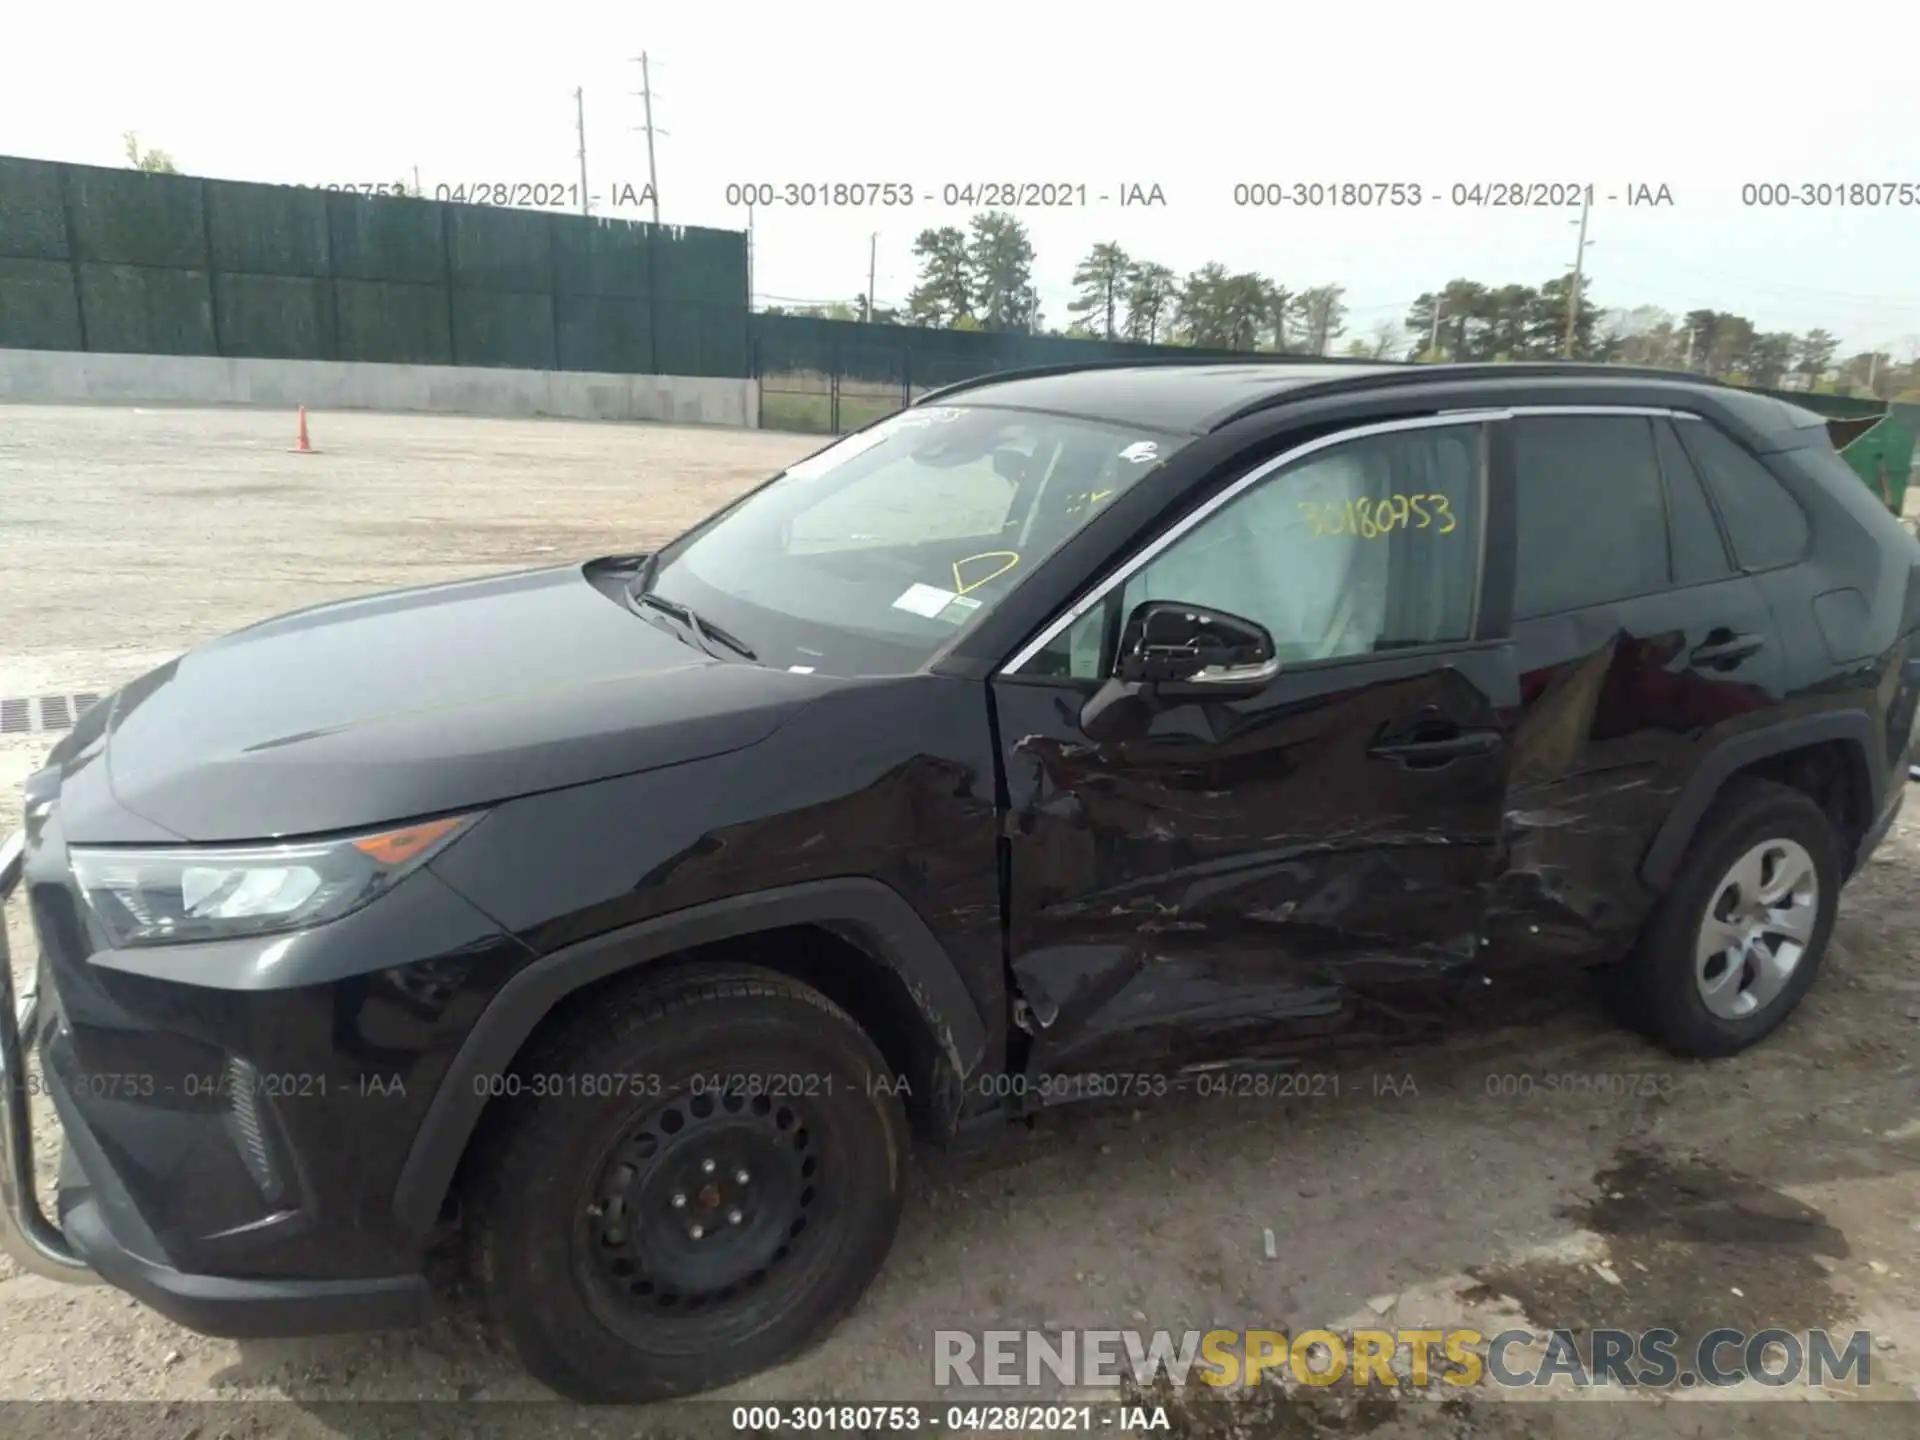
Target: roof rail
[[1072, 367], [1503, 370]]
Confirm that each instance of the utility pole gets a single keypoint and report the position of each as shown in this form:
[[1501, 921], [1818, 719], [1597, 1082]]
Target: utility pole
[[873, 250], [1433, 336], [1579, 266], [646, 105], [749, 255], [580, 128]]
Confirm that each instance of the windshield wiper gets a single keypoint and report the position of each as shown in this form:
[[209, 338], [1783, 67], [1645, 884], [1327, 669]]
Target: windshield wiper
[[686, 615]]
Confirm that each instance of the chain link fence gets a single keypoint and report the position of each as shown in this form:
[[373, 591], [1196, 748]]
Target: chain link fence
[[829, 377], [856, 387]]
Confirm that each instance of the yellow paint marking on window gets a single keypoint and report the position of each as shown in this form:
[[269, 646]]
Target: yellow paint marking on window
[[961, 585], [1373, 519]]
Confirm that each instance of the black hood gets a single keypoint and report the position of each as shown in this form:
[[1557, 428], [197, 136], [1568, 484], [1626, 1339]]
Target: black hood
[[416, 702]]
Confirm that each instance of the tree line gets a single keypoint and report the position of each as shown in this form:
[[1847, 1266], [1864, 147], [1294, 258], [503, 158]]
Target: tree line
[[981, 278]]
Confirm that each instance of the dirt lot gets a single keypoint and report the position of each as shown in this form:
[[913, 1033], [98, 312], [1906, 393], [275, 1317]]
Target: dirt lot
[[1470, 1183]]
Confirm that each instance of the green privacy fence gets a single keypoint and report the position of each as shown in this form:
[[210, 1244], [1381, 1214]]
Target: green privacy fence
[[119, 260]]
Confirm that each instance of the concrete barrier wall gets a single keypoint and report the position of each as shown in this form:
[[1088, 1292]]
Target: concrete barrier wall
[[74, 377]]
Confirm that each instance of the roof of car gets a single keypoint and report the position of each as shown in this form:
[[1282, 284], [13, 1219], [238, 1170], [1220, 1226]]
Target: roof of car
[[1188, 397]]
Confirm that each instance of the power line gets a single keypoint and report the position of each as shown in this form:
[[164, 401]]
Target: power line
[[1579, 269], [580, 129], [645, 92], [873, 250], [1791, 291]]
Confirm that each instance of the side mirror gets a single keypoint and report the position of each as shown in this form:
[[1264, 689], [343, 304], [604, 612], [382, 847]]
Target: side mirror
[[1190, 650], [1173, 651]]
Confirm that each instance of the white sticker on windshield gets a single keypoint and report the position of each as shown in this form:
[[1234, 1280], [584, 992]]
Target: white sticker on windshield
[[958, 612], [833, 456], [927, 600], [927, 415], [1140, 452]]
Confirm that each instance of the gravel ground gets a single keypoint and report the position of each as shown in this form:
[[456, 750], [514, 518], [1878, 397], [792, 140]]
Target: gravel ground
[[1454, 1185]]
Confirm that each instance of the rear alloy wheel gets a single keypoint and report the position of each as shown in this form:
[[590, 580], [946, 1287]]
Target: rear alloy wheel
[[1740, 934], [1756, 928], [713, 1219]]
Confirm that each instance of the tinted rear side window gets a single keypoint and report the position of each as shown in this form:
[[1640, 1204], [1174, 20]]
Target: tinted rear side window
[[1592, 516], [1766, 524], [1699, 553]]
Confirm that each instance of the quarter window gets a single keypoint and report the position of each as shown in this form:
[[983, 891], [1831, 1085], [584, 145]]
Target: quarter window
[[1766, 524], [1699, 554]]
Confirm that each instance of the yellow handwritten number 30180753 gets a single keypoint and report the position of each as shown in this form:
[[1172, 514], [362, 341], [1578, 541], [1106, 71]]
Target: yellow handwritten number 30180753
[[1370, 519]]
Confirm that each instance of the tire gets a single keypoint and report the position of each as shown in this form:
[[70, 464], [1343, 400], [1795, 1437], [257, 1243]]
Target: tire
[[1663, 983], [619, 1303]]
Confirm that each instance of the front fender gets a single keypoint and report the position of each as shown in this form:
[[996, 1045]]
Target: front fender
[[869, 912]]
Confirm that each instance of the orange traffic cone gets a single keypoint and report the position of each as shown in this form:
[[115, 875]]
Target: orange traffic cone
[[303, 447]]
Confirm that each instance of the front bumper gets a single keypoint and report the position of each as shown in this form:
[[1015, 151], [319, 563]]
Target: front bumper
[[82, 1247], [221, 1215]]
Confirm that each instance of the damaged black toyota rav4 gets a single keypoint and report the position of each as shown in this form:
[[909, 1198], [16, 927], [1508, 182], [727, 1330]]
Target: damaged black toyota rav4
[[1071, 734]]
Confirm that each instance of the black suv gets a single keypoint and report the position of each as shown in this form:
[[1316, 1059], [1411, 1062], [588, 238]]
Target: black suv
[[1071, 734]]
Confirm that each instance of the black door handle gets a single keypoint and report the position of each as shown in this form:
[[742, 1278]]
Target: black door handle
[[1724, 654], [1438, 751]]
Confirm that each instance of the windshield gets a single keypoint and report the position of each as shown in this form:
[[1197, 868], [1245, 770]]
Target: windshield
[[869, 556]]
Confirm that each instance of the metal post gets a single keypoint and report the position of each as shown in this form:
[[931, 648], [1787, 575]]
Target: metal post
[[553, 286], [446, 278], [73, 256], [873, 250], [330, 347], [213, 289], [833, 390]]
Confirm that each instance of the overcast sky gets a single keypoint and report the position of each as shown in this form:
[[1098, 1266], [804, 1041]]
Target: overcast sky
[[1195, 97]]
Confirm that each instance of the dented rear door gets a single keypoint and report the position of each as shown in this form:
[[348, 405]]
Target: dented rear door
[[1249, 877]]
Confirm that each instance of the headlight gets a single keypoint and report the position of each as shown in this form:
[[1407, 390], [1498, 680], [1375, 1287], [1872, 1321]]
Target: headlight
[[171, 896]]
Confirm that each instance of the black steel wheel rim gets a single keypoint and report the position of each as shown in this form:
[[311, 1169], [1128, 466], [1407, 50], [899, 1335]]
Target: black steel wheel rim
[[700, 1202]]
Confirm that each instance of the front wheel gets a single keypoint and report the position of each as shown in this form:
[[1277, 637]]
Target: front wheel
[[1739, 936], [713, 1217]]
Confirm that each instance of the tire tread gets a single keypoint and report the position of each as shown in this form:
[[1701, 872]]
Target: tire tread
[[1653, 986], [512, 1147]]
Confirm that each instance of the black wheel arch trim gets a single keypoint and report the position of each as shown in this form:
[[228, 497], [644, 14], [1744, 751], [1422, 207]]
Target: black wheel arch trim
[[868, 911], [1854, 727]]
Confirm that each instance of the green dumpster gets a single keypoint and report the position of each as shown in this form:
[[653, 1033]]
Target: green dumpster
[[1880, 453], [1870, 438]]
